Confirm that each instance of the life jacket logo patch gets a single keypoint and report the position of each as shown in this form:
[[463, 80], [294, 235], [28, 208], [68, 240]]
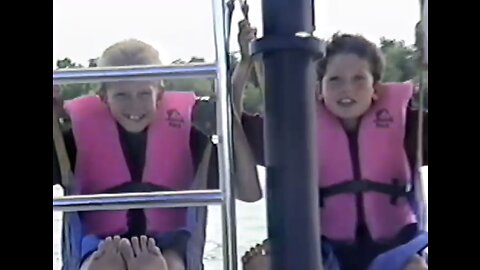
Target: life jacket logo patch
[[174, 118], [383, 118]]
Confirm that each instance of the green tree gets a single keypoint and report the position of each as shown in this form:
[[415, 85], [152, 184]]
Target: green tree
[[401, 61], [70, 91], [253, 99], [405, 63], [402, 64], [201, 87]]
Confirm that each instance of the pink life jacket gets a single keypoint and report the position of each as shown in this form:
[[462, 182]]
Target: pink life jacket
[[384, 169], [101, 165]]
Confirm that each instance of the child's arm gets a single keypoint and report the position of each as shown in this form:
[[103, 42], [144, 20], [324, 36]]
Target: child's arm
[[71, 152], [67, 134], [425, 138], [243, 70], [56, 168], [411, 137], [247, 186]]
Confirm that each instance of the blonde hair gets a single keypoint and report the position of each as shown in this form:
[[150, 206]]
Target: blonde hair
[[130, 52]]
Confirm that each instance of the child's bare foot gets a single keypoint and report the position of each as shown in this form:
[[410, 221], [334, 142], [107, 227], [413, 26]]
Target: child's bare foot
[[174, 260], [142, 254], [108, 256], [417, 263], [258, 258]]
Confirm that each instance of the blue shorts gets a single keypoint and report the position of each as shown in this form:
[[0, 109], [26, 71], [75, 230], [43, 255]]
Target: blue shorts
[[374, 256]]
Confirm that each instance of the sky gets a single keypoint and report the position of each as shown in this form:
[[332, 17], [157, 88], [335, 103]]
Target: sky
[[82, 29]]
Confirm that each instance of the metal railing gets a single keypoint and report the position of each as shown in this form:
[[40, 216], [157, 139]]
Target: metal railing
[[139, 200], [224, 196], [134, 73]]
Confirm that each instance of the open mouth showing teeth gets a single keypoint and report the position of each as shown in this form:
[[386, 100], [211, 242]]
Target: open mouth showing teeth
[[345, 102], [135, 117]]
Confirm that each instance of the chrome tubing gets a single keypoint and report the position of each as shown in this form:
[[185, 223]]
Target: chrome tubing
[[133, 73], [224, 130], [138, 200]]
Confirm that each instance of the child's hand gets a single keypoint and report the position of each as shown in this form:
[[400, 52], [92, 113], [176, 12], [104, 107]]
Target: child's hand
[[246, 34], [58, 103]]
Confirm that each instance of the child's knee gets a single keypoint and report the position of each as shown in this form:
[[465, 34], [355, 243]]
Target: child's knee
[[86, 263], [174, 260], [417, 263]]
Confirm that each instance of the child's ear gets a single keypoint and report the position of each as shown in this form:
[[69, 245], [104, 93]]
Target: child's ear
[[318, 91], [378, 88], [160, 91], [102, 93]]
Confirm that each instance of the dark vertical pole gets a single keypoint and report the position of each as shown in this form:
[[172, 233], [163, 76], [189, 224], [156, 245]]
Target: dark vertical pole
[[292, 189]]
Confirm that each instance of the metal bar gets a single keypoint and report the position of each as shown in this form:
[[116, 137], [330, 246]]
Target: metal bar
[[291, 151], [419, 184], [424, 19], [224, 130], [163, 199], [134, 73]]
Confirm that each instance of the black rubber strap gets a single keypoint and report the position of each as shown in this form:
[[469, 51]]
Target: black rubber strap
[[280, 43], [133, 187], [395, 190]]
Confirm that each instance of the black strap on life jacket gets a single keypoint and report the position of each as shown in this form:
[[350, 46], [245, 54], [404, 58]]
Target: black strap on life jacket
[[394, 190], [134, 187]]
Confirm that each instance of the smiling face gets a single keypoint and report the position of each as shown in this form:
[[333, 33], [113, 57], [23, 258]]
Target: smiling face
[[349, 75], [348, 86], [132, 104]]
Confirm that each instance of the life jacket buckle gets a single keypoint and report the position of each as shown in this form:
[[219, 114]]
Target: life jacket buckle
[[361, 185], [399, 190]]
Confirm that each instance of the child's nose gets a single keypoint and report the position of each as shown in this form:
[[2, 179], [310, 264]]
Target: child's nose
[[348, 87], [136, 103]]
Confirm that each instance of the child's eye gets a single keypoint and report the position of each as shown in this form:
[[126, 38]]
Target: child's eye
[[359, 78], [121, 96], [334, 78]]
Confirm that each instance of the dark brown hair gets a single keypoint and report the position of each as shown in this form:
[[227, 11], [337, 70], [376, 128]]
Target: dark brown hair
[[353, 44]]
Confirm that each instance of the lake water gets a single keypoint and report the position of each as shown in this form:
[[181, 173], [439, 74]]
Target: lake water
[[251, 228]]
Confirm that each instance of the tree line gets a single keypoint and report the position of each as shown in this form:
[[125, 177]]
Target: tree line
[[402, 63]]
